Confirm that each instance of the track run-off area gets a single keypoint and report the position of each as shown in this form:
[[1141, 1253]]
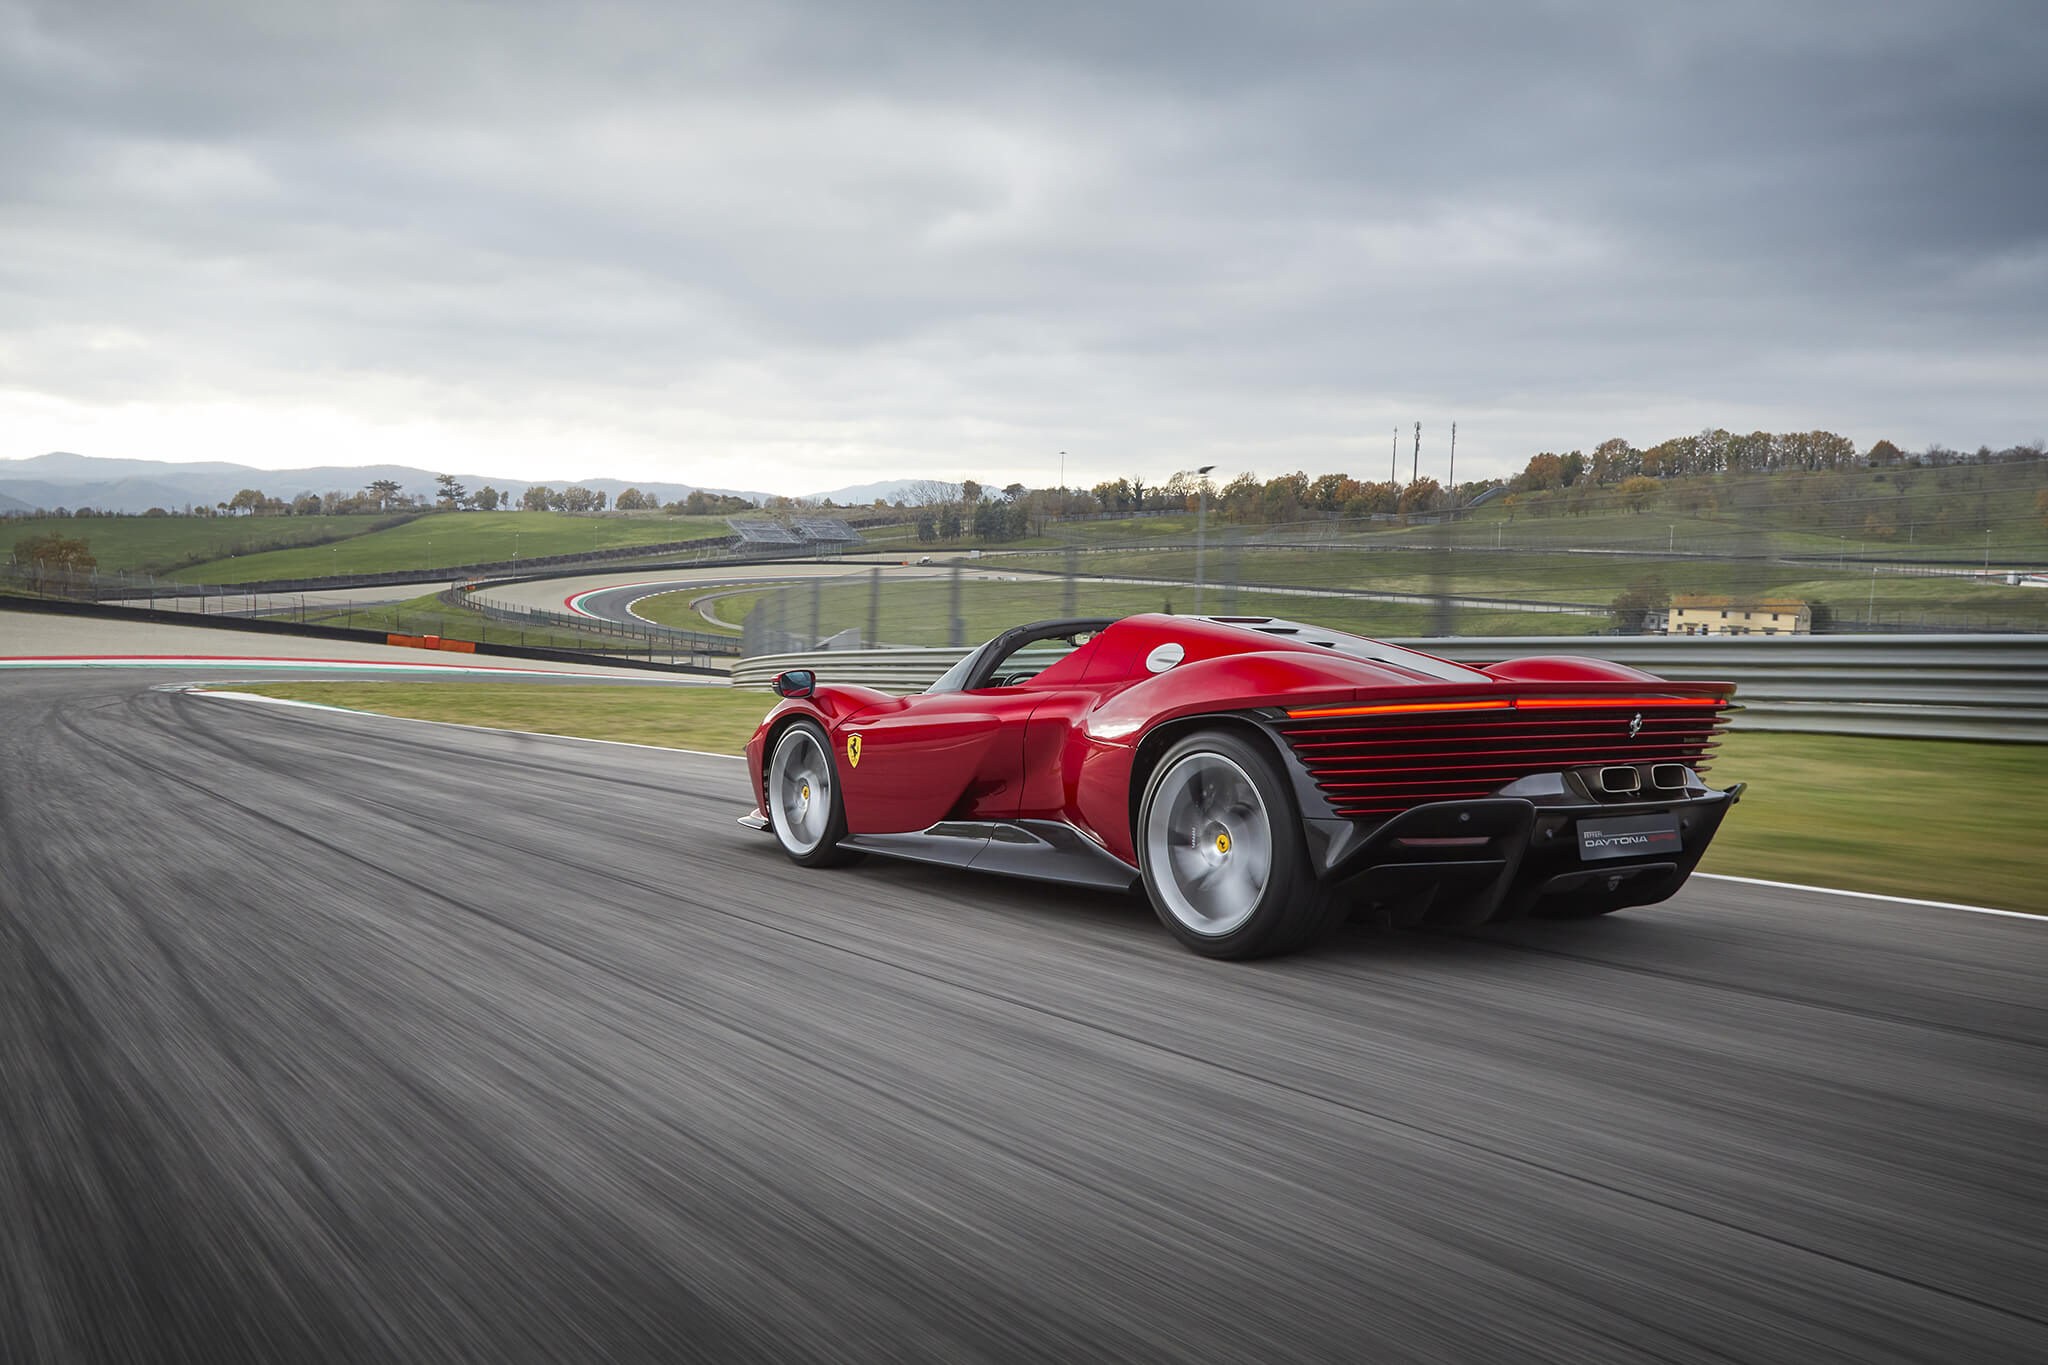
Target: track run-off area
[[328, 1036]]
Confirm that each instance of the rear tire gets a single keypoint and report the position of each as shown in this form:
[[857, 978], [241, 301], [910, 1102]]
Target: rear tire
[[1219, 843], [805, 807]]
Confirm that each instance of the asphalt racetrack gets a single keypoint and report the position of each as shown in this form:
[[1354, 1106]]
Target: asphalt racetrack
[[334, 1037]]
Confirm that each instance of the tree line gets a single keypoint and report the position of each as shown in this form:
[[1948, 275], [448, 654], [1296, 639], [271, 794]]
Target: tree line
[[1719, 451]]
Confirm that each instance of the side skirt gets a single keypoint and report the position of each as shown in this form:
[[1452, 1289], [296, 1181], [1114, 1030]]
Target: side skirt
[[1043, 850]]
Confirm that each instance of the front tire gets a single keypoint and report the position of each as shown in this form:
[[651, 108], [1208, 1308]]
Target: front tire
[[1221, 850], [805, 806]]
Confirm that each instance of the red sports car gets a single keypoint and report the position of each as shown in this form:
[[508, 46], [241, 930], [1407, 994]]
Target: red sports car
[[1259, 778]]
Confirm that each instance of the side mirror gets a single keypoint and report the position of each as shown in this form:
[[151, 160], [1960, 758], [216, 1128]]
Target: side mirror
[[797, 682]]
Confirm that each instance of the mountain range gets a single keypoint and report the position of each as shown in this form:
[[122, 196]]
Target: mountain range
[[62, 479]]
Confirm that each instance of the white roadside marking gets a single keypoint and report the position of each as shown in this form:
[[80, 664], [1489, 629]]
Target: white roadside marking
[[1872, 896], [231, 661], [451, 724]]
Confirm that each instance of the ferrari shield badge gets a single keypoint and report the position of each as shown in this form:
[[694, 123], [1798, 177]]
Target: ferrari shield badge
[[853, 750]]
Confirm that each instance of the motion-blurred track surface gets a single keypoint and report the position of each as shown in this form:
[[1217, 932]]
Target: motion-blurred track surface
[[328, 1036]]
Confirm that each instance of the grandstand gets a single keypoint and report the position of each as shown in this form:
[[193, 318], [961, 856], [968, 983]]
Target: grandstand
[[826, 532], [819, 535], [761, 533]]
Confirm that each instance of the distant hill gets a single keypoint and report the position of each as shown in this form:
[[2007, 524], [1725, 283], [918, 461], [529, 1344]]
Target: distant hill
[[62, 479], [861, 494]]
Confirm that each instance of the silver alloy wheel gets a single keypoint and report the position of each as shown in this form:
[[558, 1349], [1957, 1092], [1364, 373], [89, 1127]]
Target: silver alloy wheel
[[1208, 843], [800, 791]]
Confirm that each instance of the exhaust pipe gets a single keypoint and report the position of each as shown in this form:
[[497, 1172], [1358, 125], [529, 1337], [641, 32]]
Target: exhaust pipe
[[1619, 780], [1670, 776]]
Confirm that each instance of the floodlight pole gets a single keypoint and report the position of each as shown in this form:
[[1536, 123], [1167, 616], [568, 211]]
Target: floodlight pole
[[1201, 529]]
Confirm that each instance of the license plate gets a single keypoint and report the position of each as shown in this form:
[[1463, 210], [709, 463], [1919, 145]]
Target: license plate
[[1629, 836]]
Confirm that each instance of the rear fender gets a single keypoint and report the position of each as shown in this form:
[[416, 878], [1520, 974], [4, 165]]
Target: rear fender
[[1162, 737]]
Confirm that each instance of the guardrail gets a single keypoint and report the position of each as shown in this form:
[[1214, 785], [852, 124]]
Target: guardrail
[[94, 585], [64, 606], [1984, 687]]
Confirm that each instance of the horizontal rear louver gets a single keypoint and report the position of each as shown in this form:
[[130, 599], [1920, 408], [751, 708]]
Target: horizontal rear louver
[[1371, 766]]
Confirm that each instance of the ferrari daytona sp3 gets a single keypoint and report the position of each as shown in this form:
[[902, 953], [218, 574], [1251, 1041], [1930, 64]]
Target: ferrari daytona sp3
[[1259, 779]]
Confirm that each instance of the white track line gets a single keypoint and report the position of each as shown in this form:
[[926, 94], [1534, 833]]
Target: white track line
[[1872, 896], [451, 724], [217, 661]]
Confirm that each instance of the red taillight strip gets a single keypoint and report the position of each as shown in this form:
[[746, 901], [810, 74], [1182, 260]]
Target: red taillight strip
[[1318, 712], [1545, 702]]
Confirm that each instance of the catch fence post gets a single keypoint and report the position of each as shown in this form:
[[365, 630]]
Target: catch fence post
[[874, 606], [957, 633]]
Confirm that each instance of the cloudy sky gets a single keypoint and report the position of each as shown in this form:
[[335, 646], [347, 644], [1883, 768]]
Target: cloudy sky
[[802, 245]]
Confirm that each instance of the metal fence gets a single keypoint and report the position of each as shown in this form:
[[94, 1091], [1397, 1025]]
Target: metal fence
[[1432, 590], [699, 646], [1982, 687]]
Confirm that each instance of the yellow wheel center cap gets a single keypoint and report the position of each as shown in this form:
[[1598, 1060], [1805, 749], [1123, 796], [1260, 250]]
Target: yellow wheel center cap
[[1223, 843], [805, 792]]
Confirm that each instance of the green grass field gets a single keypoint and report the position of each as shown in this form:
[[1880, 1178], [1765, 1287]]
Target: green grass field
[[1936, 819], [1898, 817], [452, 538], [715, 719], [160, 545], [727, 611]]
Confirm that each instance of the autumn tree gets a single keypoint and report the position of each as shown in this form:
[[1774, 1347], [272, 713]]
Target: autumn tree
[[52, 553], [1615, 459], [1239, 499], [1632, 606], [1639, 492], [1423, 495]]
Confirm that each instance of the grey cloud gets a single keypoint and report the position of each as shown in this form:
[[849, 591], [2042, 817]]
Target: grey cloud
[[881, 234]]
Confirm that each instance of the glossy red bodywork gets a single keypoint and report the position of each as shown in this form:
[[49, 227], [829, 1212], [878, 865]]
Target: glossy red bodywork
[[1063, 745]]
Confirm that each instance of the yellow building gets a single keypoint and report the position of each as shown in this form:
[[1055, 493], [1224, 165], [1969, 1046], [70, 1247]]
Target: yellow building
[[1701, 615]]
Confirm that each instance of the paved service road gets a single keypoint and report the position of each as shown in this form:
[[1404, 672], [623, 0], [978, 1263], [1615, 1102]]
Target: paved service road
[[329, 1036]]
